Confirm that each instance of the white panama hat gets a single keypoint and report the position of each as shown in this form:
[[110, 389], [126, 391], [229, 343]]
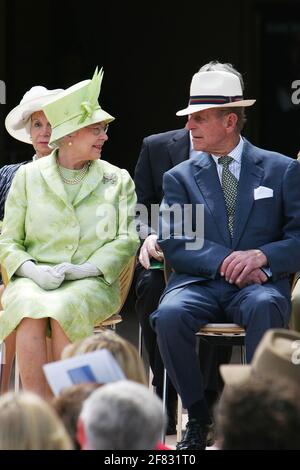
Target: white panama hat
[[17, 122], [214, 89]]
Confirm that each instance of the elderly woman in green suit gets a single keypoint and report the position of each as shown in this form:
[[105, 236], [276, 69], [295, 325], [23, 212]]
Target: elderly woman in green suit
[[68, 232]]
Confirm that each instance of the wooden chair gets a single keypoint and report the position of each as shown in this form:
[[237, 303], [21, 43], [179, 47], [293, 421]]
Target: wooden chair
[[125, 281], [4, 276], [218, 334]]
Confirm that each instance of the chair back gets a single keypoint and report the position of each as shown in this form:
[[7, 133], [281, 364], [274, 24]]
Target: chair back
[[4, 275], [125, 281]]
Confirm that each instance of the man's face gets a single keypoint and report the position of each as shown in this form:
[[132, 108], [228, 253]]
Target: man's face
[[209, 130]]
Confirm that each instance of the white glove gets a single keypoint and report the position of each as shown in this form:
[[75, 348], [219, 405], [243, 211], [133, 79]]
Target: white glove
[[77, 271], [44, 276]]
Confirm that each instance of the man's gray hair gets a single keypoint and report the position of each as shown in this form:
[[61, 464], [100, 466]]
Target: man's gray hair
[[123, 415], [215, 66]]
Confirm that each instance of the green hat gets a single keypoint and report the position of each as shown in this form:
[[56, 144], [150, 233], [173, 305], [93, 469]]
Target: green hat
[[76, 107]]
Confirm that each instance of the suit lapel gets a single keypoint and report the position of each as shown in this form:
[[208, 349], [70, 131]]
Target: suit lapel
[[208, 182], [179, 147], [250, 177], [49, 171], [90, 182]]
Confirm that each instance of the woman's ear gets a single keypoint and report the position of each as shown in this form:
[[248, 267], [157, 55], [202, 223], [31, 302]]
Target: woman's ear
[[72, 135], [67, 139]]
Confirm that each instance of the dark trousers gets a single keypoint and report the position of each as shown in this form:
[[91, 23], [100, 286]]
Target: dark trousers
[[184, 310], [149, 286]]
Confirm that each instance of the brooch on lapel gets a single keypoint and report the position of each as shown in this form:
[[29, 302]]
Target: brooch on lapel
[[110, 178]]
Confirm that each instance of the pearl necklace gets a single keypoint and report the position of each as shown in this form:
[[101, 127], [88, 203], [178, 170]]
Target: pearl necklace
[[79, 177]]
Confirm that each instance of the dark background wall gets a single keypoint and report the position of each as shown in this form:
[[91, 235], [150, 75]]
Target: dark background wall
[[149, 51]]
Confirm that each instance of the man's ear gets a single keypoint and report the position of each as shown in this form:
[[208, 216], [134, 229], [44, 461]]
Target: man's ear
[[231, 120], [80, 435]]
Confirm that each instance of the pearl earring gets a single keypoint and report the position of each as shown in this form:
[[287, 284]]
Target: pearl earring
[[70, 144]]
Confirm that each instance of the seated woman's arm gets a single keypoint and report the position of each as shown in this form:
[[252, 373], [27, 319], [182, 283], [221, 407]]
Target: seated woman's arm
[[12, 250], [111, 258]]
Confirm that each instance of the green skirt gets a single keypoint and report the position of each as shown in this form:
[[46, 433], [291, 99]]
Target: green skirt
[[77, 305]]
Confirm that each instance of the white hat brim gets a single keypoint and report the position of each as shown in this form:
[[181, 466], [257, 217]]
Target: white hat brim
[[235, 374], [200, 107], [17, 121]]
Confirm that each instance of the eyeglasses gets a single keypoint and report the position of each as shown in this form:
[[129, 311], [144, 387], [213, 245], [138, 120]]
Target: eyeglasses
[[98, 129]]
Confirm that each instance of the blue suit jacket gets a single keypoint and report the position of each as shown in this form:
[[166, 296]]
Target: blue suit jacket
[[271, 224]]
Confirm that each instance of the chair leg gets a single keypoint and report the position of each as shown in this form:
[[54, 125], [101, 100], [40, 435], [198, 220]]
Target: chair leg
[[243, 354], [17, 375], [2, 361], [151, 387], [164, 400], [179, 418], [140, 348]]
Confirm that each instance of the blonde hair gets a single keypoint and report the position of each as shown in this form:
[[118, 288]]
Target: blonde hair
[[27, 422], [123, 351]]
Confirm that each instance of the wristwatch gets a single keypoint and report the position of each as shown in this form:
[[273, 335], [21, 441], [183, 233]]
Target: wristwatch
[[267, 271]]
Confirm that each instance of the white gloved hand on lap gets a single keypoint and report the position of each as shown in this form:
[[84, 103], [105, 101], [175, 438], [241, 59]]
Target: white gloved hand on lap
[[44, 276], [73, 272]]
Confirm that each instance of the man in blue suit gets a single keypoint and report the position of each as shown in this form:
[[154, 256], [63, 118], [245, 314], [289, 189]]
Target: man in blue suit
[[235, 267], [160, 153]]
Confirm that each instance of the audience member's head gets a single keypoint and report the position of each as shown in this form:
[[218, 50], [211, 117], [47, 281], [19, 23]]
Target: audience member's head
[[277, 358], [68, 405], [123, 351], [29, 423], [258, 416], [121, 415]]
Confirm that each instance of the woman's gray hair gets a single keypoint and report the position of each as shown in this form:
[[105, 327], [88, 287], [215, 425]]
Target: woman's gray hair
[[123, 415]]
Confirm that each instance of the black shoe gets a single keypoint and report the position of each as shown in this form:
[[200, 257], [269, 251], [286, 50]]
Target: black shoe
[[194, 437]]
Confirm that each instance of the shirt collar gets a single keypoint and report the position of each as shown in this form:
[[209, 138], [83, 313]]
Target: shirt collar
[[235, 153]]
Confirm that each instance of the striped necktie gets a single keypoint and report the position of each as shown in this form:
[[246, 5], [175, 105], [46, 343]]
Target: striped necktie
[[229, 185]]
